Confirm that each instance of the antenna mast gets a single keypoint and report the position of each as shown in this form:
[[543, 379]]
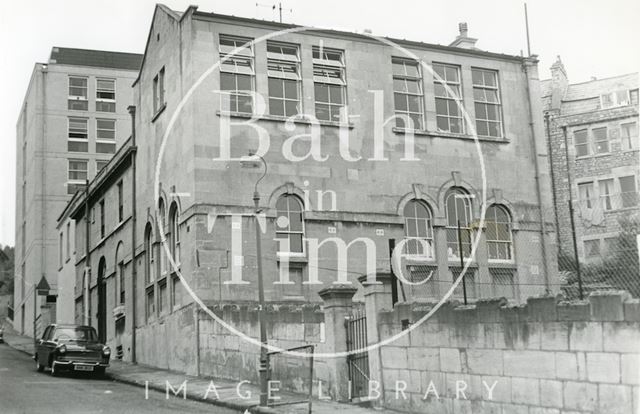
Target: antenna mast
[[526, 22]]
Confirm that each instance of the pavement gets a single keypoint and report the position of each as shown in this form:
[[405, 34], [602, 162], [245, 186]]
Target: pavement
[[230, 396]]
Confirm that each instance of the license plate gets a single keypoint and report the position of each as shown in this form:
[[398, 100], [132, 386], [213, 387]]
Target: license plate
[[83, 368]]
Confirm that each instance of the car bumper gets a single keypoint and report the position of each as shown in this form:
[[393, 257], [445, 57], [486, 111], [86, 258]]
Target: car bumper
[[71, 365]]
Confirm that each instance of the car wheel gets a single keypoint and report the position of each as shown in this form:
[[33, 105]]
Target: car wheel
[[100, 372], [39, 367]]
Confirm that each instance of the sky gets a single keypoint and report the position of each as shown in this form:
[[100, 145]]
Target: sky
[[595, 38]]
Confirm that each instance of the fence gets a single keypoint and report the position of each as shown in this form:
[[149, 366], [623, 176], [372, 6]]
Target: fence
[[597, 250]]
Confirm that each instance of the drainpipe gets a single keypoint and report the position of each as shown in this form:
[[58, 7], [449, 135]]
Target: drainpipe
[[571, 214], [553, 176], [534, 144], [43, 214], [134, 264], [87, 257]]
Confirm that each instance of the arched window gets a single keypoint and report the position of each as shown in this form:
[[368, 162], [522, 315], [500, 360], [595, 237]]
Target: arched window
[[458, 211], [499, 240], [120, 279], [150, 257], [289, 224], [149, 270], [418, 229], [174, 233], [162, 229]]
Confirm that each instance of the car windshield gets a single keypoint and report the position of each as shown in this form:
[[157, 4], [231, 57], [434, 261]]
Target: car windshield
[[75, 334]]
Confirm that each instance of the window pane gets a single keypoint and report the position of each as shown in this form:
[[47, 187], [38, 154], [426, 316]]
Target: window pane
[[276, 107], [321, 92], [275, 87], [400, 101], [323, 112], [335, 94], [244, 82], [291, 108], [105, 148], [291, 89], [227, 81]]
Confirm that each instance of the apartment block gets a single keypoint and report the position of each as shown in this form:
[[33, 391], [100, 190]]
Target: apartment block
[[72, 121], [592, 130]]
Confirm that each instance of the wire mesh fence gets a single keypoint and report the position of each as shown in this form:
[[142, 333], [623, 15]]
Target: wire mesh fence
[[592, 246]]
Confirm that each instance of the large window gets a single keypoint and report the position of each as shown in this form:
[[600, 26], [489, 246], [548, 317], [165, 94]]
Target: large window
[[150, 257], [629, 135], [600, 140], [458, 211], [174, 236], [581, 142], [162, 230], [105, 95], [499, 241], [102, 219], [628, 191], [120, 202], [418, 229], [613, 99], [77, 175], [605, 188], [106, 136], [77, 100], [120, 278], [289, 224], [586, 194], [448, 114], [329, 83], [283, 68], [77, 135], [158, 92], [486, 96], [237, 74], [407, 94]]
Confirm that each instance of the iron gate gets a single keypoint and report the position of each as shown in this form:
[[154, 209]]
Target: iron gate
[[358, 362]]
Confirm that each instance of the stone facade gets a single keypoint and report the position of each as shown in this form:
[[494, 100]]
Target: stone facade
[[575, 109], [44, 182], [195, 216]]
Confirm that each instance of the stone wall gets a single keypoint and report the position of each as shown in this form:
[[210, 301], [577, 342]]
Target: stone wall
[[543, 357]]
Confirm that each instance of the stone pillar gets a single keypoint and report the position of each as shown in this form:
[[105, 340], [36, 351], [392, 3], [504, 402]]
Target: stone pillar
[[483, 279], [377, 296], [443, 278], [338, 302]]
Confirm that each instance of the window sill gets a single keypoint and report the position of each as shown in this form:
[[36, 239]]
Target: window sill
[[292, 258], [159, 112], [501, 264], [586, 157], [420, 260], [303, 120], [441, 134]]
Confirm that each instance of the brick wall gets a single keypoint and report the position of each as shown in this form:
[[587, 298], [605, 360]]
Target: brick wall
[[544, 357]]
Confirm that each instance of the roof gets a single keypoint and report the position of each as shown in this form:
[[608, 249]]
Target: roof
[[95, 58], [595, 88], [361, 37], [193, 11]]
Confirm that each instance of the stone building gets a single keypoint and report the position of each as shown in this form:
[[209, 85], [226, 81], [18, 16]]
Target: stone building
[[592, 130], [72, 120], [342, 113]]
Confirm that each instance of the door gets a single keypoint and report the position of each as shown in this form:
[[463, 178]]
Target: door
[[357, 360], [102, 302], [45, 346]]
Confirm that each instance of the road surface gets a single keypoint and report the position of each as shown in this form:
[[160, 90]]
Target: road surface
[[24, 390]]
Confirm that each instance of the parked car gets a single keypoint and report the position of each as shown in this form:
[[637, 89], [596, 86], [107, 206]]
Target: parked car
[[71, 348]]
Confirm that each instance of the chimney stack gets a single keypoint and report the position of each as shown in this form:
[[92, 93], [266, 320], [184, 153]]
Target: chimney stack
[[559, 83], [463, 40]]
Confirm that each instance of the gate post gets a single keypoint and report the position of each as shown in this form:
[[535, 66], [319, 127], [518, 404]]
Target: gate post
[[377, 296], [338, 301]]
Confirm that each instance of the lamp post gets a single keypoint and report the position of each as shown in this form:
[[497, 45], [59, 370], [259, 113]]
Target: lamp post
[[264, 363]]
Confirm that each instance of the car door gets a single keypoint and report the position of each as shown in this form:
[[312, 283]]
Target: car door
[[41, 349]]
